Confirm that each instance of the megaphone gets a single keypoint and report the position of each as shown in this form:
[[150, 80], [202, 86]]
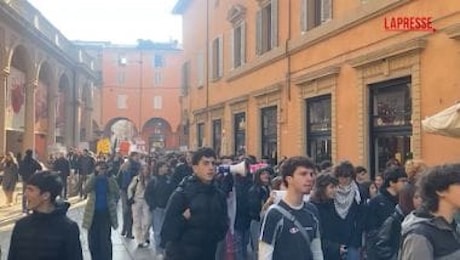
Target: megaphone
[[239, 168]]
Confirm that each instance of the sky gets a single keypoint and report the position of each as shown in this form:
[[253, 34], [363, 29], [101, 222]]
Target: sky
[[117, 21]]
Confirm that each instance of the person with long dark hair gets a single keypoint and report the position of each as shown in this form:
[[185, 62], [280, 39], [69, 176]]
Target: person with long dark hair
[[258, 195], [9, 166], [323, 198], [347, 218]]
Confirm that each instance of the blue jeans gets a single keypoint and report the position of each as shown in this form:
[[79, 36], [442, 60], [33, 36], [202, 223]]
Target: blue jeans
[[241, 239], [255, 233], [158, 219], [353, 253]]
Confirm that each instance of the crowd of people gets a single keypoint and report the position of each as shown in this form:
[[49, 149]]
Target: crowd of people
[[199, 208]]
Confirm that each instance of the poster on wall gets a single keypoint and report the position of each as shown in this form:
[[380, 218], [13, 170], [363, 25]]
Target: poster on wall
[[15, 100], [41, 107]]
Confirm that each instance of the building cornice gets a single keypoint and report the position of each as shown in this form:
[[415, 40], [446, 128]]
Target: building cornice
[[391, 51], [334, 27], [453, 31], [315, 75]]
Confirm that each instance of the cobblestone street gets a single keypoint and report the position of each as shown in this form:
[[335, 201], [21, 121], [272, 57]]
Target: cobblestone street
[[123, 249]]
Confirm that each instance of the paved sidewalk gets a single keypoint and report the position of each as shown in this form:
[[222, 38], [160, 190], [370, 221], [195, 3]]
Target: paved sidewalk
[[123, 249], [9, 215]]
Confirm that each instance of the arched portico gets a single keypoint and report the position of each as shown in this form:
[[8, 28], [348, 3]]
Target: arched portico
[[120, 129], [18, 99], [158, 134]]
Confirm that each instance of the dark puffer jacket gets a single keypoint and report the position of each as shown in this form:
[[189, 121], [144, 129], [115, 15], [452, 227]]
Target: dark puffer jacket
[[51, 236], [389, 237], [158, 191], [197, 237]]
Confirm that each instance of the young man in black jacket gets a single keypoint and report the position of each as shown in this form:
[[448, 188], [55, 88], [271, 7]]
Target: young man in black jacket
[[196, 215], [383, 205], [47, 233], [27, 167]]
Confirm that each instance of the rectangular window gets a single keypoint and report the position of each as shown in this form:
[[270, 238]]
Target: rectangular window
[[158, 61], [216, 135], [200, 134], [239, 130], [319, 128], [216, 58], [390, 121], [157, 102], [122, 101], [200, 69], [267, 27], [158, 79], [315, 12], [239, 45], [185, 78], [121, 78], [269, 120]]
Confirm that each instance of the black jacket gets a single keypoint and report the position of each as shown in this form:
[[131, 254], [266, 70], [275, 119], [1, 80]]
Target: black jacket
[[380, 208], [158, 191], [181, 171], [86, 164], [41, 236], [336, 231], [207, 225], [389, 236], [257, 196], [62, 165], [242, 218], [27, 167]]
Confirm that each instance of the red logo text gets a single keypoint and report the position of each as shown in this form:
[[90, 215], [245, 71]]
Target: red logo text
[[413, 23]]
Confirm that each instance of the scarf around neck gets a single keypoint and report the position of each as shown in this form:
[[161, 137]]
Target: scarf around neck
[[344, 198]]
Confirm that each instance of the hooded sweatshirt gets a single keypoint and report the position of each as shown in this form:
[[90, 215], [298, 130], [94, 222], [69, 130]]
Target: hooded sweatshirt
[[50, 236], [425, 237]]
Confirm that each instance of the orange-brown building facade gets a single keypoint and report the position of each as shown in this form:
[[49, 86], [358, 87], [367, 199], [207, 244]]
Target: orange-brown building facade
[[141, 84], [331, 79]]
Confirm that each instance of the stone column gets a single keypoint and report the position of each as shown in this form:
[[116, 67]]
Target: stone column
[[77, 115], [3, 81], [51, 129], [29, 131], [88, 123], [69, 118]]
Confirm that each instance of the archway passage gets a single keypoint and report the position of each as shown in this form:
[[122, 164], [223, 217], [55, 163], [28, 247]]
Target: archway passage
[[120, 131], [158, 135]]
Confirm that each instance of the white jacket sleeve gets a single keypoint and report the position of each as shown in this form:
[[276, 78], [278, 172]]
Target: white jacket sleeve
[[131, 187], [265, 251]]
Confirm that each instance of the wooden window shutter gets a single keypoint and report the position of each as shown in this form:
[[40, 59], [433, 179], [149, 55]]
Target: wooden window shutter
[[326, 10], [210, 66], [259, 32], [232, 49], [221, 55], [243, 43], [274, 24], [304, 16]]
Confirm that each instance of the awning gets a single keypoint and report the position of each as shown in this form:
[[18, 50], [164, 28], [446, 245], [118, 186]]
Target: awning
[[446, 122]]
